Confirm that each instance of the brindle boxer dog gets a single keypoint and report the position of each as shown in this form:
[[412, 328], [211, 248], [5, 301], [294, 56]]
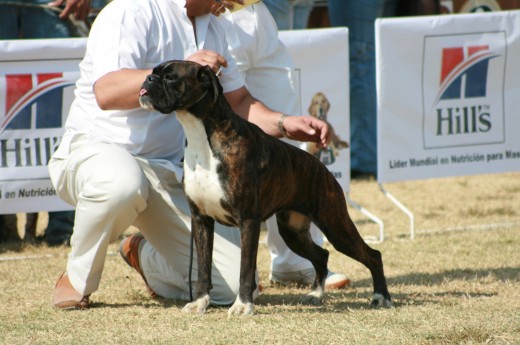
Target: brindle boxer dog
[[239, 176]]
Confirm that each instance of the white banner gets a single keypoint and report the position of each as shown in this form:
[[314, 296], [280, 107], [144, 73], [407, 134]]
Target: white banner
[[320, 59], [37, 84], [448, 95]]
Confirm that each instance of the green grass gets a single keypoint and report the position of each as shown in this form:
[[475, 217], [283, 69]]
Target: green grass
[[456, 283]]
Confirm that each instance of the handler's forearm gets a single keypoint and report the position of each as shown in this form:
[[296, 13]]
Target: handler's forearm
[[251, 109], [119, 90]]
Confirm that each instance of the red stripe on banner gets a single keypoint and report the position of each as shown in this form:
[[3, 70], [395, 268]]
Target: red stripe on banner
[[46, 76], [476, 49], [451, 57], [17, 86]]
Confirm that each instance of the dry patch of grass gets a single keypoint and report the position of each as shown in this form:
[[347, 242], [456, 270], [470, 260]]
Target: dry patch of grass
[[449, 286]]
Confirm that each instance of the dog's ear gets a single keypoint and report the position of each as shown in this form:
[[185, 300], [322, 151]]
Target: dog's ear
[[327, 103], [210, 81], [311, 109]]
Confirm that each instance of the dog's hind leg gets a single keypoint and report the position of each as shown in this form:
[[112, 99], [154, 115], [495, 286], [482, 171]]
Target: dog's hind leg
[[294, 230], [344, 236]]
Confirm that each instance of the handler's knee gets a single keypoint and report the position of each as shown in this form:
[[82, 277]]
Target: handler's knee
[[114, 181], [118, 191]]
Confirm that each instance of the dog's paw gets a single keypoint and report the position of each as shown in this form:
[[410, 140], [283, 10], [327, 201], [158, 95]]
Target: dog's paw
[[197, 307], [314, 297], [379, 301], [240, 308]]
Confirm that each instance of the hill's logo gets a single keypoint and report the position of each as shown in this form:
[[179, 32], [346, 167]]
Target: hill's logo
[[33, 101], [471, 63], [463, 78]]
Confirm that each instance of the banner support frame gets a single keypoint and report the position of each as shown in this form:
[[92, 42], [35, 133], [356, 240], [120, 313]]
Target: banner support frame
[[402, 208], [371, 216]]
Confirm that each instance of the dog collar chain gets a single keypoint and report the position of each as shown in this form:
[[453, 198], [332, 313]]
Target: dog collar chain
[[280, 126], [197, 101]]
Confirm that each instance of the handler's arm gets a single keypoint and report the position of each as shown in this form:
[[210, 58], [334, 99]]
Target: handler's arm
[[302, 128], [119, 90]]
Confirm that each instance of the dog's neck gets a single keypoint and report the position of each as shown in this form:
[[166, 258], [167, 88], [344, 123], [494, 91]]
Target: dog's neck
[[191, 105], [211, 109]]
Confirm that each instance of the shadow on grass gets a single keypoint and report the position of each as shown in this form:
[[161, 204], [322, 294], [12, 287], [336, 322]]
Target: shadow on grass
[[335, 300], [356, 297], [144, 302], [359, 295], [502, 273], [16, 246], [19, 246]]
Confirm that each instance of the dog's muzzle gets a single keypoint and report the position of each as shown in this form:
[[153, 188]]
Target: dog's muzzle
[[144, 100]]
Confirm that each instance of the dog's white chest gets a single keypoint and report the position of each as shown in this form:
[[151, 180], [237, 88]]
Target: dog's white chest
[[201, 182]]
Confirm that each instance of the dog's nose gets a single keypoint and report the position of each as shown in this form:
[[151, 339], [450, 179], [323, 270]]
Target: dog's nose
[[151, 77]]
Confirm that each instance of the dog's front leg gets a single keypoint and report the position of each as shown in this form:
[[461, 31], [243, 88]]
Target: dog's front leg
[[203, 232], [249, 236]]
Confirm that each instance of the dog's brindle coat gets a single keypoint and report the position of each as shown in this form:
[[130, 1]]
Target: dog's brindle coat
[[239, 176]]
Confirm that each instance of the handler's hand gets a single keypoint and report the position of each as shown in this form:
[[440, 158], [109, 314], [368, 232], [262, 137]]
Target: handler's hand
[[307, 128], [208, 58], [80, 8], [220, 6]]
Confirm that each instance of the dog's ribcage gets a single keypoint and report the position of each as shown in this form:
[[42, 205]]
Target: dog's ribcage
[[201, 180]]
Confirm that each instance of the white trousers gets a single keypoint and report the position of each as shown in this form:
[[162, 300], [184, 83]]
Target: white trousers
[[112, 190]]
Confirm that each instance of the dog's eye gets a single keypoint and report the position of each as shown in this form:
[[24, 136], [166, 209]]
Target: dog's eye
[[169, 77]]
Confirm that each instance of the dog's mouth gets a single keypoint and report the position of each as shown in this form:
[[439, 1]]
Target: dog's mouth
[[144, 100]]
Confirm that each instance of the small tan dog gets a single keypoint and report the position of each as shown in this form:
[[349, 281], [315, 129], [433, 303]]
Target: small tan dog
[[319, 108]]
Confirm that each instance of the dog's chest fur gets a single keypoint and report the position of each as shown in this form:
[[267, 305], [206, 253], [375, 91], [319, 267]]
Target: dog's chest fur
[[201, 181]]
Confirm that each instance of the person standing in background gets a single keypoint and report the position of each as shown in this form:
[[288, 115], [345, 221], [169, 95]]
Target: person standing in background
[[359, 17], [290, 14], [24, 19]]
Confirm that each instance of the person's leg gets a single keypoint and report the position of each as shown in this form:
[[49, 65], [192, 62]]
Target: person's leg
[[164, 257], [109, 190], [280, 10], [301, 13], [8, 228], [359, 17], [59, 228], [3, 230]]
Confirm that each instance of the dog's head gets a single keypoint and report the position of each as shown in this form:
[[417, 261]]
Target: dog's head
[[178, 85], [319, 106]]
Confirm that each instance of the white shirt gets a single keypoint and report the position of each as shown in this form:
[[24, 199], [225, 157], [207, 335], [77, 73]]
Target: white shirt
[[262, 58], [252, 35], [140, 34]]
